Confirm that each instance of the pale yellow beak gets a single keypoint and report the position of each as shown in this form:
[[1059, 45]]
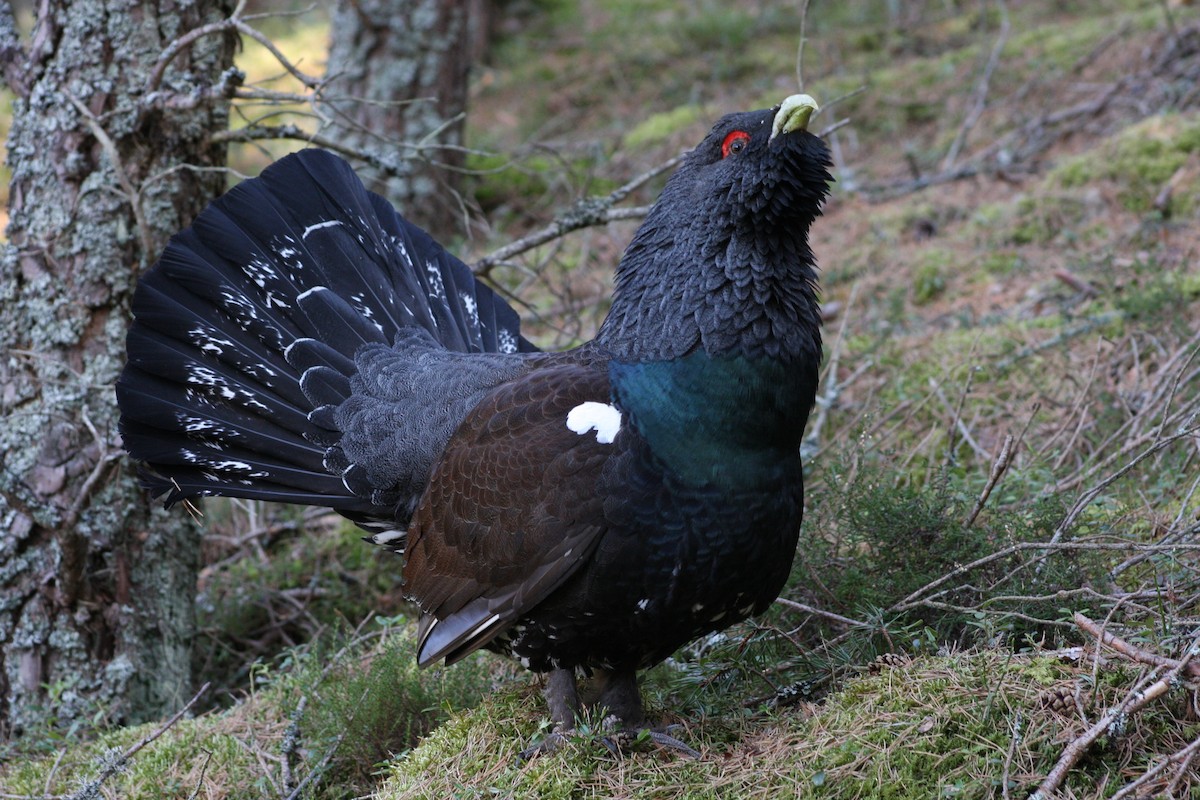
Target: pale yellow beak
[[794, 114]]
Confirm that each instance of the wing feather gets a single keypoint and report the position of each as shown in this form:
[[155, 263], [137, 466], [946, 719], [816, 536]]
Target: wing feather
[[512, 510]]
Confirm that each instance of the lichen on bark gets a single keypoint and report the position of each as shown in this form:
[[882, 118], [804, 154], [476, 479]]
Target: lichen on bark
[[97, 588]]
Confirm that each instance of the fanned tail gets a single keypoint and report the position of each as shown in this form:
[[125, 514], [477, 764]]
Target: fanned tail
[[245, 332]]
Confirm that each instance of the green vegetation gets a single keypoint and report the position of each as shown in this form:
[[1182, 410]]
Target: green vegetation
[[941, 726], [1140, 161], [340, 707], [1049, 296]]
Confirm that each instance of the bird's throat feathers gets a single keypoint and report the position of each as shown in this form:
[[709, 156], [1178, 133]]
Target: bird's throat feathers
[[726, 296], [722, 262]]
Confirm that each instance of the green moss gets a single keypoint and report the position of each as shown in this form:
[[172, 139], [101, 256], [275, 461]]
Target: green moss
[[1140, 160], [929, 279], [1002, 263], [936, 727], [665, 125], [171, 766], [1154, 292]]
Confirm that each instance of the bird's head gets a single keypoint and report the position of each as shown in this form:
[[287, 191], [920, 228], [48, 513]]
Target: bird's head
[[758, 169], [722, 260]]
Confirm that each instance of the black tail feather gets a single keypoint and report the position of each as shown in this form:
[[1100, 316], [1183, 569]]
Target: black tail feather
[[245, 334]]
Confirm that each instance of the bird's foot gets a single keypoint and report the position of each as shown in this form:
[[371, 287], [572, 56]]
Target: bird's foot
[[618, 739]]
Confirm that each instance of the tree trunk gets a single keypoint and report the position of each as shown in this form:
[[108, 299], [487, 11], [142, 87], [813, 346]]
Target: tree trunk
[[96, 589], [397, 88]]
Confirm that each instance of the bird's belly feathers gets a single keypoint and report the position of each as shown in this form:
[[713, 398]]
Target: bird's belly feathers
[[697, 564]]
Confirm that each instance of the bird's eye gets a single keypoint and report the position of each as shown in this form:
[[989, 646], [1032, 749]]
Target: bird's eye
[[734, 143]]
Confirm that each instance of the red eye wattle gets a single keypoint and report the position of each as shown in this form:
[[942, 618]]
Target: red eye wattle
[[734, 143]]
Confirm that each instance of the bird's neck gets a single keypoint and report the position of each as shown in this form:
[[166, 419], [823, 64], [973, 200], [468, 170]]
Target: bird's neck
[[723, 293], [732, 421]]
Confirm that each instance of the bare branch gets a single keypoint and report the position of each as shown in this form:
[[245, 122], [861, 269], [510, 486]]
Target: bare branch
[[183, 42], [231, 80], [1091, 494], [1137, 699], [818, 612], [999, 467], [800, 46], [132, 195], [1130, 651], [979, 101], [585, 213], [1182, 757]]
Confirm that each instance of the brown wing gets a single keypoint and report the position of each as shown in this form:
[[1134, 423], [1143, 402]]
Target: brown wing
[[511, 510]]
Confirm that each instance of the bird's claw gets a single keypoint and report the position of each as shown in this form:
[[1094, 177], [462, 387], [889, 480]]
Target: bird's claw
[[616, 739], [620, 739]]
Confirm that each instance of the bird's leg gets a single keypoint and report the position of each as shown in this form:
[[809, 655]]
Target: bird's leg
[[627, 716], [562, 697], [619, 694]]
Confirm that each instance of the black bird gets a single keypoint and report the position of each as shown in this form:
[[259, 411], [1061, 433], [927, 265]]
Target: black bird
[[584, 511]]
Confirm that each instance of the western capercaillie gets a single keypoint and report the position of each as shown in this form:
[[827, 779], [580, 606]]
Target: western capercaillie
[[589, 510]]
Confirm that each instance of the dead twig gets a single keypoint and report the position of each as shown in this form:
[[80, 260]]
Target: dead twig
[[915, 597], [234, 22], [208, 756], [132, 194], [957, 426], [1182, 757], [289, 748], [1091, 494], [828, 399], [1008, 758], [185, 41], [999, 467], [103, 459], [121, 761], [1138, 698], [1077, 283], [818, 612], [1007, 451], [979, 101], [317, 770], [800, 45], [1185, 768], [1133, 652]]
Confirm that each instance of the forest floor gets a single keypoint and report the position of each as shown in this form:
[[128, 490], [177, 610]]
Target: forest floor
[[1002, 472]]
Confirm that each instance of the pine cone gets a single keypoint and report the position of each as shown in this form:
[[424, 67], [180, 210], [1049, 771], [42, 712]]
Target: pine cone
[[888, 661], [1060, 699]]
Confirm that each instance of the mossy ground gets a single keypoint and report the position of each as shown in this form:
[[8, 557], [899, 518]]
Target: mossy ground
[[1053, 299], [941, 726]]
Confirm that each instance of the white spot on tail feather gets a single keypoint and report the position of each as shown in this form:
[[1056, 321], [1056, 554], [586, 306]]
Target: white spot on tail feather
[[468, 302], [387, 537], [332, 223], [507, 343], [437, 289], [603, 418], [208, 341], [303, 295]]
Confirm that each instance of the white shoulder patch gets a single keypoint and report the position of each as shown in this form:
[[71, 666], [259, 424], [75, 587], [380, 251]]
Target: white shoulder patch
[[603, 418]]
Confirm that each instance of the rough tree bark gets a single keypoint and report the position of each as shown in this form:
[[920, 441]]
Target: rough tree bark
[[96, 590], [397, 87]]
